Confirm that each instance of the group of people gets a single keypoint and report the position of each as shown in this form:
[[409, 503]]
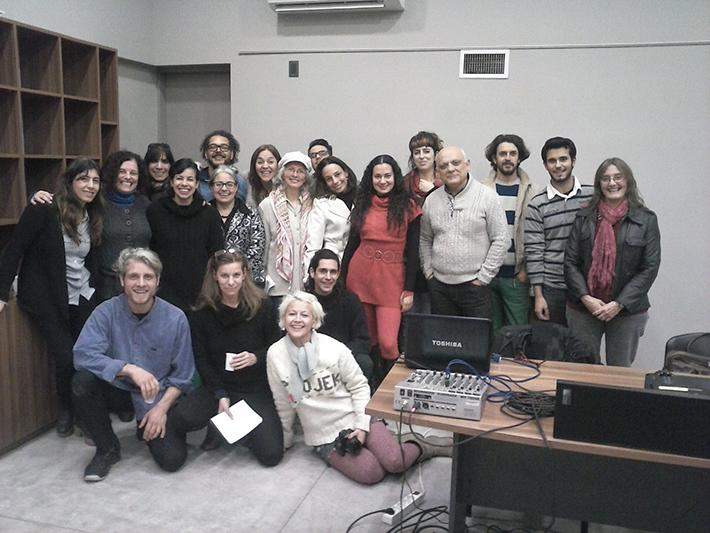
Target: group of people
[[173, 291]]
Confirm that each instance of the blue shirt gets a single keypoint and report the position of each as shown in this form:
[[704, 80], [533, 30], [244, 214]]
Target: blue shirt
[[159, 343]]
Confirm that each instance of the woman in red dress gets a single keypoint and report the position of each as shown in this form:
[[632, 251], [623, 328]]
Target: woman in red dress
[[382, 256]]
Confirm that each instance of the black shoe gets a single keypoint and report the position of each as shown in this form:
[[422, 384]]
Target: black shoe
[[65, 423], [125, 416], [213, 439], [100, 465]]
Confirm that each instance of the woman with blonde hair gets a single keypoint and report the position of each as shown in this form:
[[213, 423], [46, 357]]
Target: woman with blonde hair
[[317, 378]]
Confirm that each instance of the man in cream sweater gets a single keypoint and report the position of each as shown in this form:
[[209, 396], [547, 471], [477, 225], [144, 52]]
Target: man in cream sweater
[[464, 239]]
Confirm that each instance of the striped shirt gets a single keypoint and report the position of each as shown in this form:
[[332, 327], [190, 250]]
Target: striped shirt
[[508, 196], [548, 222]]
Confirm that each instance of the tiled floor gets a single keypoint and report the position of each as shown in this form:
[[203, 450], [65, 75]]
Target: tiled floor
[[41, 490]]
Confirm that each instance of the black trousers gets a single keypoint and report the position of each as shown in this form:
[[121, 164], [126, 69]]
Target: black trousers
[[95, 398], [461, 299], [266, 441], [60, 337], [556, 304]]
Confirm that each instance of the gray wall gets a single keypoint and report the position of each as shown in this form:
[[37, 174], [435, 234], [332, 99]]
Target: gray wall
[[599, 72], [140, 105]]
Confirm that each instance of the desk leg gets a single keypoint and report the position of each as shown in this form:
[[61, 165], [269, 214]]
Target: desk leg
[[458, 501]]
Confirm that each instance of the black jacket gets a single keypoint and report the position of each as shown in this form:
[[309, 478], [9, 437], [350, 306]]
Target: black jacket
[[638, 257], [38, 243]]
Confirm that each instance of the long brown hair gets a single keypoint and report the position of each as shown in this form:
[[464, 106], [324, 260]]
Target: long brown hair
[[632, 190], [71, 210], [250, 296]]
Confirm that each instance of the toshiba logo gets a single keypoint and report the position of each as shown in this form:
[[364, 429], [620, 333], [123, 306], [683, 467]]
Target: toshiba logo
[[446, 344]]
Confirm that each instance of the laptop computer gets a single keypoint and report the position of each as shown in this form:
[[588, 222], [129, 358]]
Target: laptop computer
[[431, 341]]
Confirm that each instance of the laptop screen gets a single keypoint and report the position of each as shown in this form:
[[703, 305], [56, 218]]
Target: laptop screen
[[431, 341]]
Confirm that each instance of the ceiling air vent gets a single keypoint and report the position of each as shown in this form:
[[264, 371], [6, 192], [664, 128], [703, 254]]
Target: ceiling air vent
[[483, 64]]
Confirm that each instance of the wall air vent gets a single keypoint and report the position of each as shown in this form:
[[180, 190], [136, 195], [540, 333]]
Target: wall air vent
[[483, 64], [304, 7]]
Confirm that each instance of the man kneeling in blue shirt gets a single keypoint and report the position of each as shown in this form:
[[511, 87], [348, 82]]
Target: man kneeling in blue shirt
[[136, 348]]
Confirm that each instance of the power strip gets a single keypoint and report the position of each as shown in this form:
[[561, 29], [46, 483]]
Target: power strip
[[402, 507]]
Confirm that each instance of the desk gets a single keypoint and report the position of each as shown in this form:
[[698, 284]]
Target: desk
[[512, 469]]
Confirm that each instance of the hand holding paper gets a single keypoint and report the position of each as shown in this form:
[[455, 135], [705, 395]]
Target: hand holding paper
[[244, 420]]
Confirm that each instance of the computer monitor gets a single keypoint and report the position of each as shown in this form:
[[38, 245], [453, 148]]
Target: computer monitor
[[431, 341]]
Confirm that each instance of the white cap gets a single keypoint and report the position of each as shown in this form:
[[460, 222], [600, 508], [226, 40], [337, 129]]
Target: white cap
[[298, 157]]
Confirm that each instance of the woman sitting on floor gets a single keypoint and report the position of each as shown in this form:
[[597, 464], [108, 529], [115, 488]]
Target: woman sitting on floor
[[232, 327], [316, 377]]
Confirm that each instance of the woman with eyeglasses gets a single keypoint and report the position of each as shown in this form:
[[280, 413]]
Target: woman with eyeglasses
[[329, 223], [158, 160], [612, 258], [242, 226], [232, 327], [53, 246], [262, 171], [382, 256], [185, 232], [285, 215]]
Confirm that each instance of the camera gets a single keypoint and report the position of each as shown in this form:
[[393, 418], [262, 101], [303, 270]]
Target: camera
[[344, 445]]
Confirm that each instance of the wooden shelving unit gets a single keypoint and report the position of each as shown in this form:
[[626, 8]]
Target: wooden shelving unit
[[58, 102]]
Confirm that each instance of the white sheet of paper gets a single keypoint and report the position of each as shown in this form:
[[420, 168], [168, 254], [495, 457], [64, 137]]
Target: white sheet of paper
[[244, 421]]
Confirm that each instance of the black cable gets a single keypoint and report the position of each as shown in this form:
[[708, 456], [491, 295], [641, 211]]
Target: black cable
[[365, 516]]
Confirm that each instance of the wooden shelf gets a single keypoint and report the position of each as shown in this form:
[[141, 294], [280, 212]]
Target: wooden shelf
[[40, 67], [8, 55], [12, 186], [42, 124], [108, 67], [80, 69], [10, 132], [81, 127], [58, 102], [42, 174], [109, 139]]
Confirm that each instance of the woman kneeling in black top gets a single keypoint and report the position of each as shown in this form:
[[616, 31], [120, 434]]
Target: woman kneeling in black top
[[234, 323]]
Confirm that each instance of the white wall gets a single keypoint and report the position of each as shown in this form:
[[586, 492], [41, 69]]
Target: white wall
[[646, 103]]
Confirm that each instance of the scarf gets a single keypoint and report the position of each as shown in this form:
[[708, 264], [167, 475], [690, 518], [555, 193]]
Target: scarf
[[120, 199], [303, 360], [601, 273], [284, 236]]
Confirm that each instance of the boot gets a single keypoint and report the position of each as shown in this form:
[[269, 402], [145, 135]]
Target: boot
[[430, 445], [65, 423], [213, 439]]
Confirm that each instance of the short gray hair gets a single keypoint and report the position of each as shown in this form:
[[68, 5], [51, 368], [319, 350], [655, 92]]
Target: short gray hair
[[224, 169], [138, 255], [301, 296]]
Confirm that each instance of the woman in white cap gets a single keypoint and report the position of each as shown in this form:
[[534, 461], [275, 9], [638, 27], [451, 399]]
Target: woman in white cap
[[285, 215]]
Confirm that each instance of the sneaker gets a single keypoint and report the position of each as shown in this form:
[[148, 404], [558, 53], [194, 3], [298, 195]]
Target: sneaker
[[100, 465], [431, 445], [65, 423]]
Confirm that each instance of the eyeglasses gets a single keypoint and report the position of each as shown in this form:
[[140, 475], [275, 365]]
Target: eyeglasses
[[229, 185], [218, 148], [297, 171], [619, 178], [321, 153], [232, 252]]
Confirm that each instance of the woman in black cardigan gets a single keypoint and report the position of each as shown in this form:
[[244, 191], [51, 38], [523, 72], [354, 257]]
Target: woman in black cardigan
[[53, 243], [233, 326], [186, 230]]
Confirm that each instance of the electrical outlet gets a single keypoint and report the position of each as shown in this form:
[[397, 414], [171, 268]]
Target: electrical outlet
[[400, 508]]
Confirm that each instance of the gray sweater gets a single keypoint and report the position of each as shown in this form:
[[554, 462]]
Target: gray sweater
[[463, 237]]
